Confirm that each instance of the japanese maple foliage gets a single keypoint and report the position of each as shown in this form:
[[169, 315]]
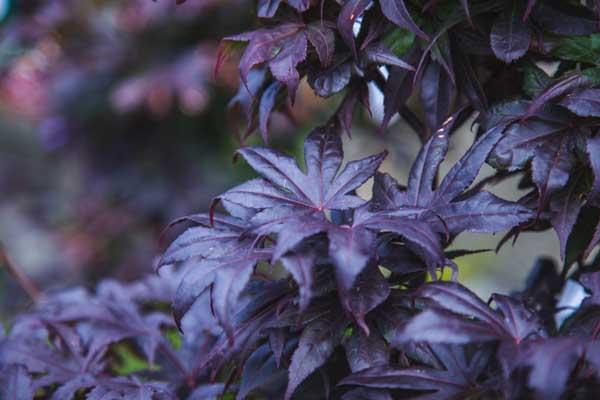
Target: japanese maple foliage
[[293, 286]]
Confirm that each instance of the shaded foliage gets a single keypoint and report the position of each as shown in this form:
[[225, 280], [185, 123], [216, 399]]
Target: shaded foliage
[[293, 286]]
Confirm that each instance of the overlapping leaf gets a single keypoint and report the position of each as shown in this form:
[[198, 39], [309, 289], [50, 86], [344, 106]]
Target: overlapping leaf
[[444, 208]]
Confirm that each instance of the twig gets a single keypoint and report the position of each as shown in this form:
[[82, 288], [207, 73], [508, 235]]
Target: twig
[[23, 280]]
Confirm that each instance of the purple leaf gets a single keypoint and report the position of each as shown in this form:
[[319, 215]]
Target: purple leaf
[[288, 193], [510, 36], [519, 322], [317, 343], [354, 174], [277, 341], [591, 282], [439, 384], [482, 212], [123, 388], [585, 103], [299, 5], [329, 81], [546, 139], [419, 236], [437, 92], [367, 394], [564, 18], [565, 206], [396, 12], [466, 169], [468, 82], [563, 86], [370, 290], [435, 326], [200, 242], [225, 277], [323, 155], [365, 351], [300, 265], [345, 112], [282, 47], [267, 102], [15, 383], [283, 65], [350, 248], [387, 193], [551, 362], [460, 300], [593, 242], [377, 53], [60, 358], [551, 166], [245, 98], [424, 170], [261, 372], [398, 89], [267, 8], [593, 153], [323, 40], [296, 230], [351, 10]]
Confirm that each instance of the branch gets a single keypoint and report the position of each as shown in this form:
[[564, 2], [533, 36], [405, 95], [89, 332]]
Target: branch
[[23, 280]]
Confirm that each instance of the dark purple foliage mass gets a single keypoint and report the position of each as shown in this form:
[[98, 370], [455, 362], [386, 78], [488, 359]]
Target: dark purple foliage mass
[[293, 286]]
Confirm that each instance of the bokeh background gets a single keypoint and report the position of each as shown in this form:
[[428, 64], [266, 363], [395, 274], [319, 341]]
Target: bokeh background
[[112, 124]]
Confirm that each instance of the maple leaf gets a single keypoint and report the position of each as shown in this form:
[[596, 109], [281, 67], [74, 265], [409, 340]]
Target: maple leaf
[[456, 377], [286, 192], [446, 208], [282, 48], [63, 358]]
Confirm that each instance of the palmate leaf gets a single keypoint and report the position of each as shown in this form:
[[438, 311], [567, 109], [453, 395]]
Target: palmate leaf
[[352, 246], [225, 278], [458, 316], [287, 202], [456, 377], [63, 359], [285, 191], [282, 48], [548, 139], [206, 240], [446, 209], [114, 317], [453, 302]]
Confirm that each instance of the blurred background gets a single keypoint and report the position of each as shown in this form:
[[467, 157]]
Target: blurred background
[[112, 125]]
